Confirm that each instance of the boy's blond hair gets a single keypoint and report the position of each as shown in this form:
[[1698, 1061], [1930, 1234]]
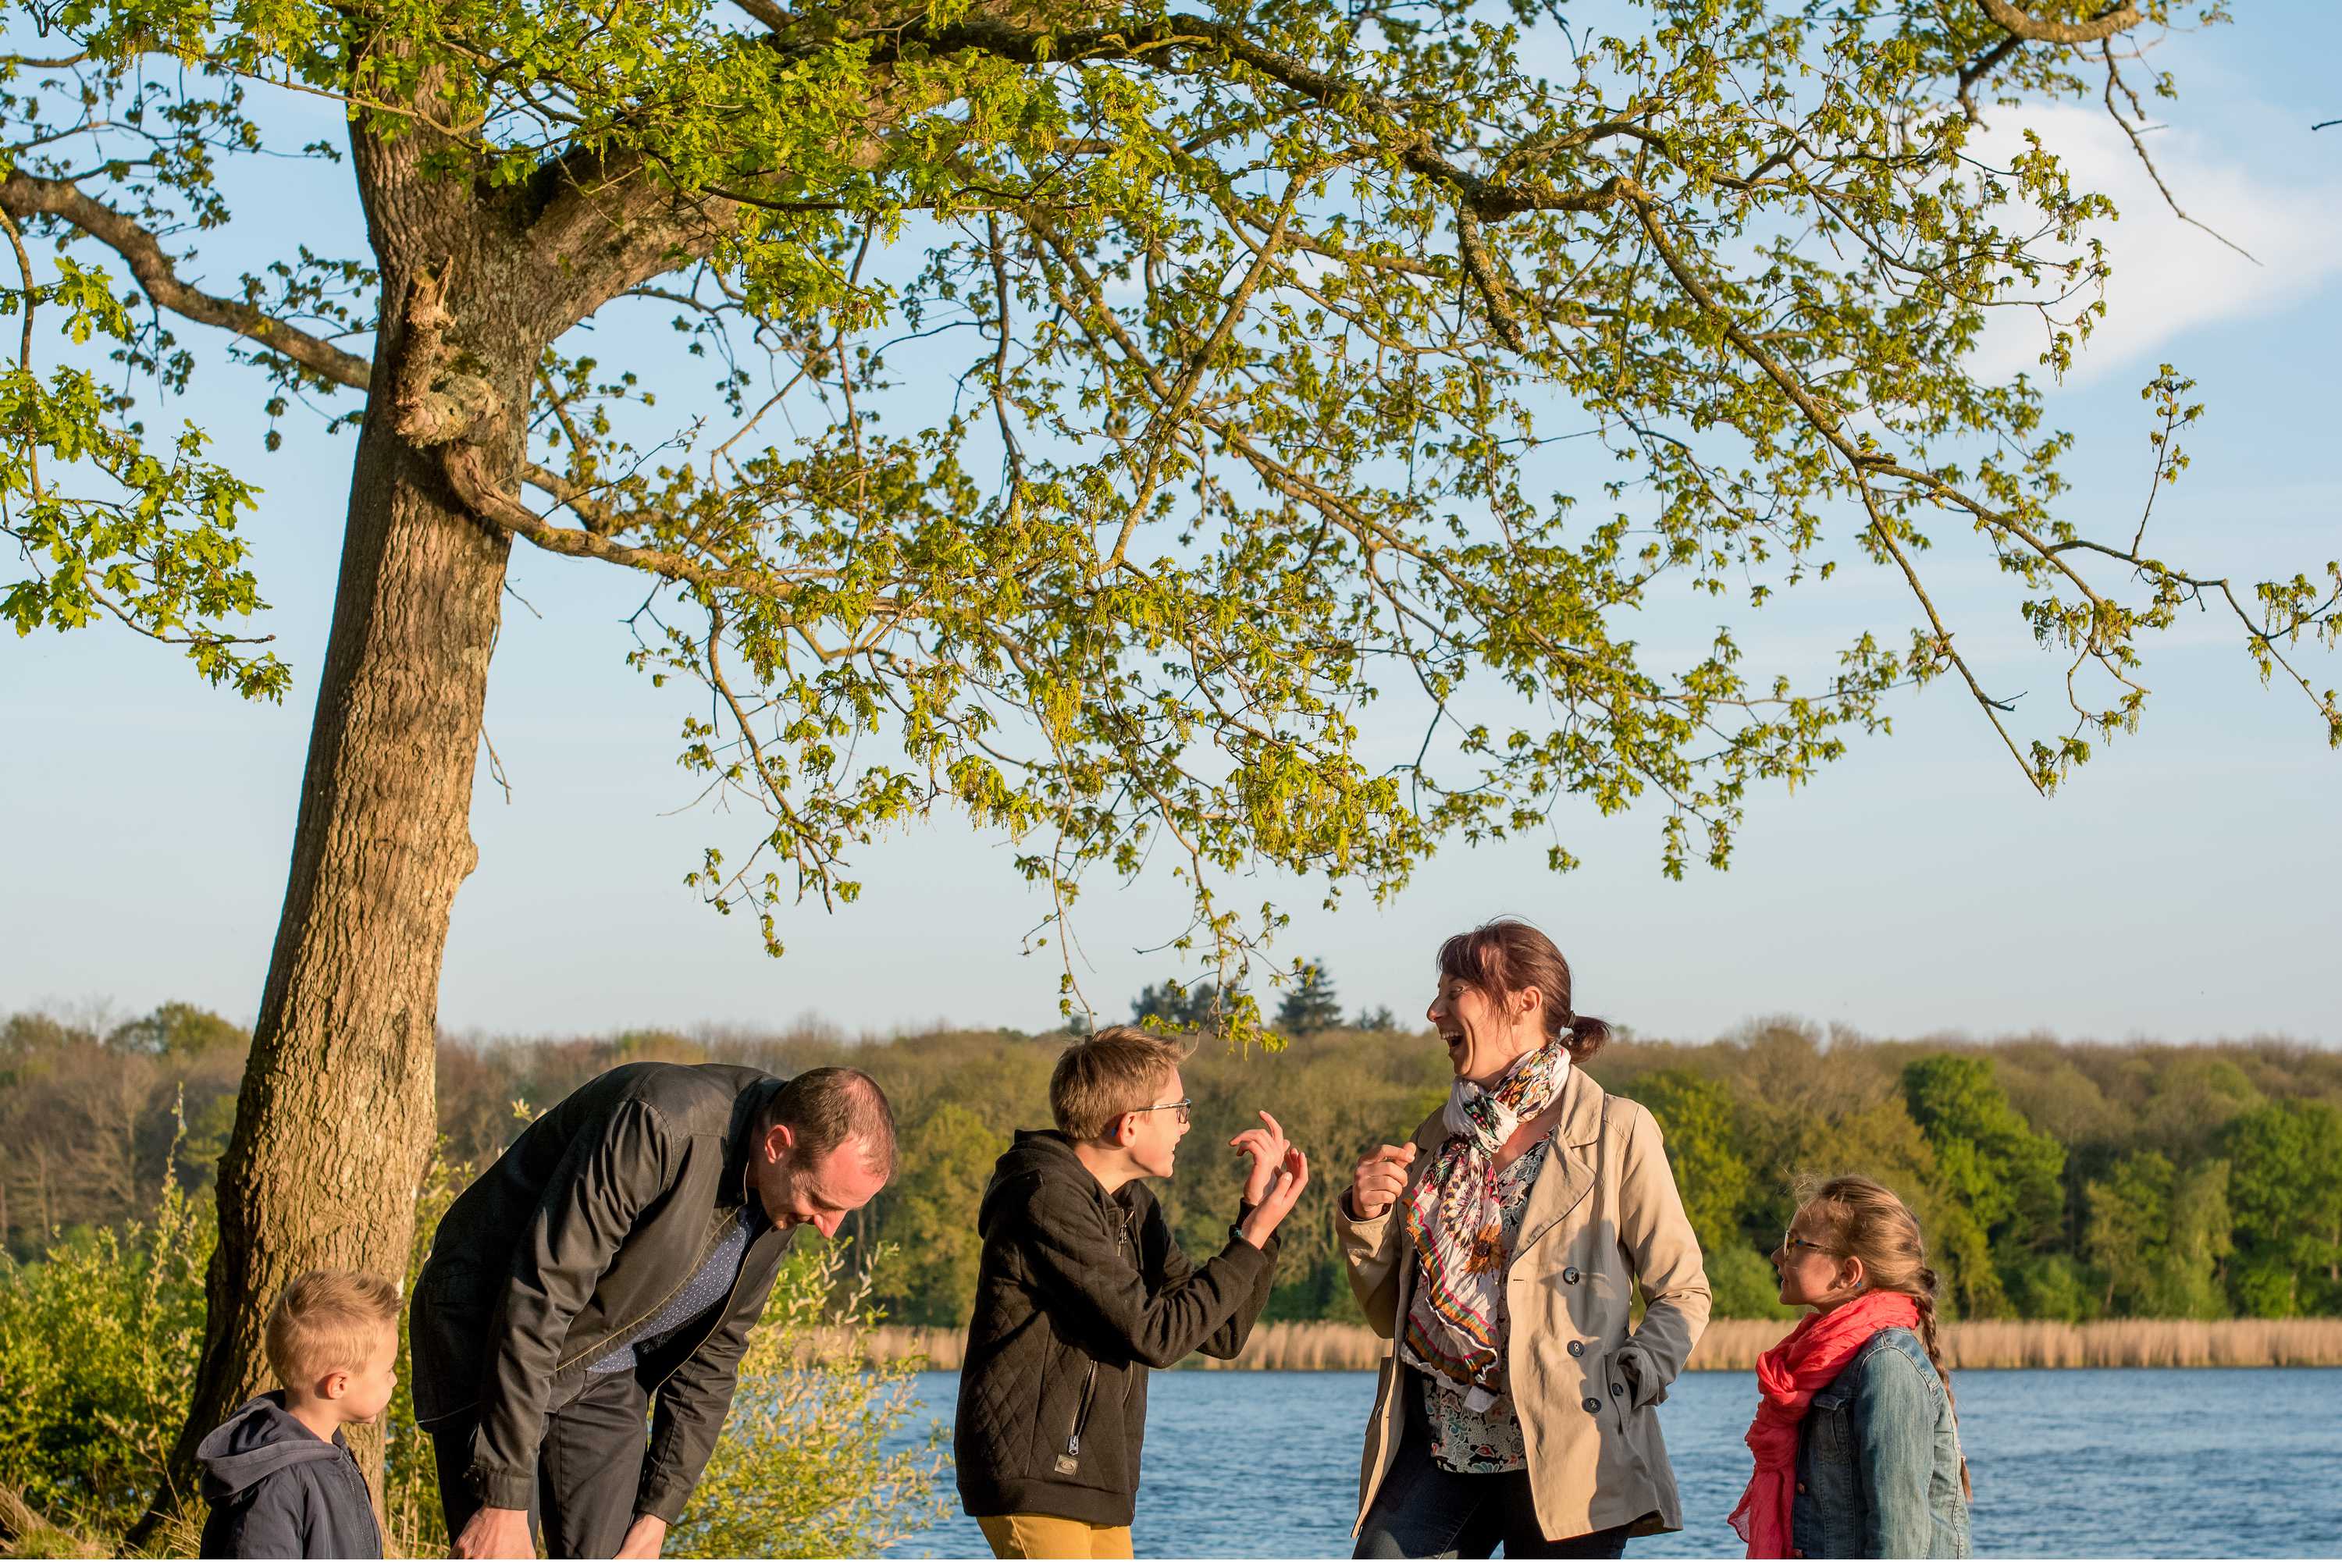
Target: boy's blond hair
[[1114, 1071], [328, 1320]]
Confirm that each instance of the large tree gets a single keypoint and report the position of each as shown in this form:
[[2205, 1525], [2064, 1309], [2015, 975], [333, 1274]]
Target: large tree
[[1108, 402]]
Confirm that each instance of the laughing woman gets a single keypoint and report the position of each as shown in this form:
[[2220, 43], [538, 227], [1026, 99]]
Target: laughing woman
[[1500, 1250]]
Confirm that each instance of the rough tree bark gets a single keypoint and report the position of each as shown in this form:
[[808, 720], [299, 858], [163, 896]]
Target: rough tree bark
[[336, 1115]]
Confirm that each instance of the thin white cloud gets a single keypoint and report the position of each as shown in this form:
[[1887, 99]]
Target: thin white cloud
[[2168, 276]]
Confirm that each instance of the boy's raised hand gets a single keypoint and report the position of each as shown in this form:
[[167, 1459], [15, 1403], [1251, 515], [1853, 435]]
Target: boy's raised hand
[[1283, 1191], [1267, 1146]]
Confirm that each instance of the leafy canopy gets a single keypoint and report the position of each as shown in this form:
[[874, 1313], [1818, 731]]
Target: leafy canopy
[[1112, 405]]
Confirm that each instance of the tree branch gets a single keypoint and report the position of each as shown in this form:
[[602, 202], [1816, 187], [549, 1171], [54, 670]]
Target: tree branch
[[2120, 18], [29, 195], [2131, 129], [465, 466], [1190, 34], [765, 12], [1984, 65]]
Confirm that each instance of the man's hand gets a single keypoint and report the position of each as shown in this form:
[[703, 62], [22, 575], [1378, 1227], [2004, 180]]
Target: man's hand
[[495, 1532], [1381, 1177], [645, 1537], [1267, 1147], [1292, 1176]]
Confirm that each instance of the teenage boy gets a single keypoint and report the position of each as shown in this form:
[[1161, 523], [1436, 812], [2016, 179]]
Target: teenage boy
[[1080, 1288], [280, 1481]]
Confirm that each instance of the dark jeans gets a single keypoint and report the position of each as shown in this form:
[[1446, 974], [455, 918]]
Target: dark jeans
[[1423, 1511], [587, 1469]]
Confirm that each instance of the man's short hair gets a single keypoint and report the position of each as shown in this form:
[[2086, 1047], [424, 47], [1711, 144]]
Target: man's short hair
[[328, 1320], [829, 1106], [1114, 1071]]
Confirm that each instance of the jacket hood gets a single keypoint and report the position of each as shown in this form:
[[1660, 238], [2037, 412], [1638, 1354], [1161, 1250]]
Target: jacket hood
[[255, 1442], [1047, 1157]]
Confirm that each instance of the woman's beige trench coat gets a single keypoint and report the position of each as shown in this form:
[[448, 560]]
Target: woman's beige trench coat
[[1603, 1217]]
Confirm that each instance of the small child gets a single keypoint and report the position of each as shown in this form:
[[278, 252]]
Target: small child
[[280, 1481]]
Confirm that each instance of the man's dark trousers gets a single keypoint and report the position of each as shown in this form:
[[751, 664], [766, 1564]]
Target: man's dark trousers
[[586, 1471]]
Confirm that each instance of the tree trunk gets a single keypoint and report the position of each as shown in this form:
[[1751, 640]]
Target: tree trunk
[[336, 1115]]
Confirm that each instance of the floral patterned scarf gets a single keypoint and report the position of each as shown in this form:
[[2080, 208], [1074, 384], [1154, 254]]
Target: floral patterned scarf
[[1456, 1223]]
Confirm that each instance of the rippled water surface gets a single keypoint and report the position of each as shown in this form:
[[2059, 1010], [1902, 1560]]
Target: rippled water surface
[[2123, 1464]]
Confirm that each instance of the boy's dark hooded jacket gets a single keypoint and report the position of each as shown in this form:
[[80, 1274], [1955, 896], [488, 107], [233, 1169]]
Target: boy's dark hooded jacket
[[1078, 1292], [278, 1490]]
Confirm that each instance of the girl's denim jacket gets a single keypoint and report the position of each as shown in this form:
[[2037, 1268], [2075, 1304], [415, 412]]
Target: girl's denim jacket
[[1879, 1460]]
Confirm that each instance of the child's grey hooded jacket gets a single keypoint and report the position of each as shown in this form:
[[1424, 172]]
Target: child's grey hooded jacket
[[278, 1490]]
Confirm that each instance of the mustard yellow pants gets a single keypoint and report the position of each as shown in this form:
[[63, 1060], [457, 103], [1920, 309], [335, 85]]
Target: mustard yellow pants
[[1046, 1535]]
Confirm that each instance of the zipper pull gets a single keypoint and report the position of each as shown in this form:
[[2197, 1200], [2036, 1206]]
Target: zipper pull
[[1074, 1445]]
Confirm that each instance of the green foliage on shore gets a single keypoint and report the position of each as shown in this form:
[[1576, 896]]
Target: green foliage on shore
[[2060, 1181], [98, 1350], [2063, 1182], [2057, 1180]]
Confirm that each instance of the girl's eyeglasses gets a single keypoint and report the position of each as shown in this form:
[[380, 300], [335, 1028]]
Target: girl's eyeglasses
[[1792, 1243]]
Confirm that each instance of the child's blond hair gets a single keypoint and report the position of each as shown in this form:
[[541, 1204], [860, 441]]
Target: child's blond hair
[[328, 1320], [1115, 1071]]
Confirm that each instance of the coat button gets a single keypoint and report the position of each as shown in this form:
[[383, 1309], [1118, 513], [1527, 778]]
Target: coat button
[[1570, 1276], [1592, 1404], [1801, 1489], [1577, 1347], [1619, 1389]]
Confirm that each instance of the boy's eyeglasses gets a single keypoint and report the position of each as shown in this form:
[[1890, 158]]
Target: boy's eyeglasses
[[1179, 1106]]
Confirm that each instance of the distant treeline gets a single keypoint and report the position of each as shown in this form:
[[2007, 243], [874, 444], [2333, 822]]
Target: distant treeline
[[2058, 1181]]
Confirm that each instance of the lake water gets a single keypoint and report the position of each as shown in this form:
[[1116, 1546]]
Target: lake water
[[2067, 1463]]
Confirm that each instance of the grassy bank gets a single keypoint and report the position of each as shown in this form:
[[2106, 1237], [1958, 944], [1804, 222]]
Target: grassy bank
[[1733, 1345]]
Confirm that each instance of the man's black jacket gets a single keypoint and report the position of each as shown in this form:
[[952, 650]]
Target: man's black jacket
[[593, 1219], [1077, 1293]]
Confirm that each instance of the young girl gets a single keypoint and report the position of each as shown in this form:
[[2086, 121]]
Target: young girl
[[1857, 1443]]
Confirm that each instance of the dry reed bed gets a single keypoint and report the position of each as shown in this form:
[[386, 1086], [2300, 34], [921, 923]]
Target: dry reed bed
[[1733, 1345]]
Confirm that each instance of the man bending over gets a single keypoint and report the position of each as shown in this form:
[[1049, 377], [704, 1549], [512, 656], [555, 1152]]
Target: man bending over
[[604, 1274]]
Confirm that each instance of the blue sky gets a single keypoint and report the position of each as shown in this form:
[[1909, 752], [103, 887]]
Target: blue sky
[[2181, 887]]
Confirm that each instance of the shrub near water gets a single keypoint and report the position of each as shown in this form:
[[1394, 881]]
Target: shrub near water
[[799, 1471], [98, 1343]]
